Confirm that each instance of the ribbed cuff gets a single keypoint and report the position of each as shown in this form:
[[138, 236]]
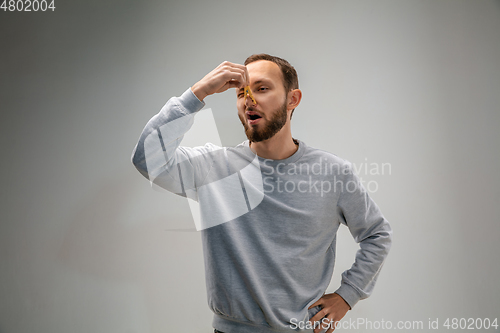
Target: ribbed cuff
[[349, 294], [190, 102]]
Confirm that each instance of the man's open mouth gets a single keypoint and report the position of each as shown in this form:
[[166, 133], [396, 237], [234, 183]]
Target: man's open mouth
[[253, 117]]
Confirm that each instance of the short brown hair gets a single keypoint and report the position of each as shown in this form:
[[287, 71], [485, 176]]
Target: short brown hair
[[289, 74]]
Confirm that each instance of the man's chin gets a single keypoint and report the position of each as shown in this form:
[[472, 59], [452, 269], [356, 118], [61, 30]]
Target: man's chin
[[254, 136]]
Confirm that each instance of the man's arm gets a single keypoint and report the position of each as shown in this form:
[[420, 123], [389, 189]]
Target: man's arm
[[371, 230], [158, 155]]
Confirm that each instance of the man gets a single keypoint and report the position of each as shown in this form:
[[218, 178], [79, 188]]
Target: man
[[270, 207]]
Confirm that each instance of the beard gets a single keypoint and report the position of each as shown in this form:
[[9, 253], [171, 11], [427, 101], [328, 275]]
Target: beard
[[272, 126]]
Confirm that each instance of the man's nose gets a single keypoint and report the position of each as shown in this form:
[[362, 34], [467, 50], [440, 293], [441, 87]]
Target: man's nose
[[248, 100]]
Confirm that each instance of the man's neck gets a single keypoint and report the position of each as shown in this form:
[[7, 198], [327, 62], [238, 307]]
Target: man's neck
[[279, 147]]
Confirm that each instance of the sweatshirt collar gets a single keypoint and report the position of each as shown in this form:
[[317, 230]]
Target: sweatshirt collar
[[291, 159]]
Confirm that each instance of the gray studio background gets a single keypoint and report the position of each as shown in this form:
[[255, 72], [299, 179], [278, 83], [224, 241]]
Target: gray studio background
[[87, 246]]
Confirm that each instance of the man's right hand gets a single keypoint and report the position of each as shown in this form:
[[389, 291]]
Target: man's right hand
[[226, 75]]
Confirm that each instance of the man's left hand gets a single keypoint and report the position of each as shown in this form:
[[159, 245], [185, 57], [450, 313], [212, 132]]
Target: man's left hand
[[333, 308]]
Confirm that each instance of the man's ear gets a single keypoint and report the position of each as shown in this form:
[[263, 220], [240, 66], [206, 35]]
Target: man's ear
[[293, 100]]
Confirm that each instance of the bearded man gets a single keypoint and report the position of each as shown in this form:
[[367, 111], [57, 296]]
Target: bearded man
[[270, 207]]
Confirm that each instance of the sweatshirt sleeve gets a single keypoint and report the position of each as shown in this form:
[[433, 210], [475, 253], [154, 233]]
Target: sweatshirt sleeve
[[371, 230], [158, 155]]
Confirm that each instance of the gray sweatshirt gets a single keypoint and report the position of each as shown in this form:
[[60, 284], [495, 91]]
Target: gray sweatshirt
[[268, 226]]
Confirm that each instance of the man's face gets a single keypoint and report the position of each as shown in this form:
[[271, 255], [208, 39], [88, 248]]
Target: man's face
[[264, 120]]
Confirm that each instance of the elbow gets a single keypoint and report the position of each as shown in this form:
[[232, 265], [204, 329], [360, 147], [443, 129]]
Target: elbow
[[139, 162], [381, 237], [387, 236]]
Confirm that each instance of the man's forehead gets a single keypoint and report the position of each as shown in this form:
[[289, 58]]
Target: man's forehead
[[263, 69]]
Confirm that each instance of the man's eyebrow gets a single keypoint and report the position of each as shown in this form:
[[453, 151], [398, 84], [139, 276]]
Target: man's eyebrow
[[261, 81], [256, 82]]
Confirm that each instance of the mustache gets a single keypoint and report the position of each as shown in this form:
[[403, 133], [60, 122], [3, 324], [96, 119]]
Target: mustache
[[250, 109]]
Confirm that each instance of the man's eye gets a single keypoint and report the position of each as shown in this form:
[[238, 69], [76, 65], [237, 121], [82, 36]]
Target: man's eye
[[262, 88]]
